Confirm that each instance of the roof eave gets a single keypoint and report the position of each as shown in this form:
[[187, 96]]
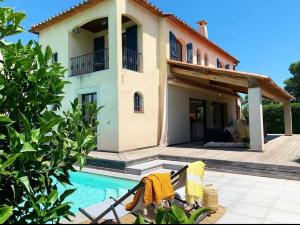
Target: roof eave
[[264, 78]]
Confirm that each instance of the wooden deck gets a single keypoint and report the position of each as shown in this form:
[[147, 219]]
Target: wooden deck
[[280, 150], [280, 159]]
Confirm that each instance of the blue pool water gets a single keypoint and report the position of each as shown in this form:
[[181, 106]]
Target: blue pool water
[[93, 189]]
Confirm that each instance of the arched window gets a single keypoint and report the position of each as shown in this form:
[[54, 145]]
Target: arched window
[[199, 57], [138, 102], [206, 60]]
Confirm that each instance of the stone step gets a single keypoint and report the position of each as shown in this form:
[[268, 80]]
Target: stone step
[[144, 168], [246, 168], [154, 166]]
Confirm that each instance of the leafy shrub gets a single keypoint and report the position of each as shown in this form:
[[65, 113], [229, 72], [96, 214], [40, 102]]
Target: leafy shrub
[[174, 215], [274, 118], [38, 148]]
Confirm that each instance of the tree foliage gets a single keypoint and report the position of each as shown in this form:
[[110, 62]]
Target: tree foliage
[[274, 118], [292, 85], [174, 215], [38, 148]]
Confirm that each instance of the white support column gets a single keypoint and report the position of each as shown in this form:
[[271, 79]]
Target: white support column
[[288, 119], [256, 119]]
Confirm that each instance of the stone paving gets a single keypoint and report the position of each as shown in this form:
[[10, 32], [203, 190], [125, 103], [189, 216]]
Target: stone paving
[[251, 199]]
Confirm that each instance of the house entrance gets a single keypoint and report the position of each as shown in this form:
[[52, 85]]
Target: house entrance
[[197, 119]]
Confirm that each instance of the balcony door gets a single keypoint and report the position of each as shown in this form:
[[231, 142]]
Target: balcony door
[[99, 53], [130, 48]]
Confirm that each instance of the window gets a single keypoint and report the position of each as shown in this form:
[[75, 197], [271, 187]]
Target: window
[[138, 102], [131, 56], [175, 48], [54, 57], [179, 51], [88, 102], [199, 57], [189, 48], [227, 67], [206, 60], [219, 64]]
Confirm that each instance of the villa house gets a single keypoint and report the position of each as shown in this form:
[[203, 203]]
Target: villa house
[[160, 81]]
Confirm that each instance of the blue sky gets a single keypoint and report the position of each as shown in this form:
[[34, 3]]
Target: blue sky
[[263, 34]]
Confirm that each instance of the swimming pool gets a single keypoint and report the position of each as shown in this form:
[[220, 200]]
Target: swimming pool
[[93, 189]]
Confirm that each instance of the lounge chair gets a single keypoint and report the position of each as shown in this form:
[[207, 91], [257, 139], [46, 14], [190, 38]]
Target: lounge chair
[[117, 208]]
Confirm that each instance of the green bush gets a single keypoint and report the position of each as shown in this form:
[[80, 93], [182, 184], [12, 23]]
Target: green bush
[[274, 118], [38, 148], [174, 215], [296, 117]]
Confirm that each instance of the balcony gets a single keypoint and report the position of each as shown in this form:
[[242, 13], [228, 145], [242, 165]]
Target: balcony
[[131, 60], [88, 63]]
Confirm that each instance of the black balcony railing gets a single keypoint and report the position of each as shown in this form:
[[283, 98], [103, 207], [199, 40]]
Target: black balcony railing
[[132, 60], [89, 63]]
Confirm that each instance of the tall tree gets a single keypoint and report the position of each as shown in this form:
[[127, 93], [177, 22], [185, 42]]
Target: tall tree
[[292, 85]]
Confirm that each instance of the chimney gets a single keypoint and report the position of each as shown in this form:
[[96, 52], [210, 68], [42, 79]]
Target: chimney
[[202, 28]]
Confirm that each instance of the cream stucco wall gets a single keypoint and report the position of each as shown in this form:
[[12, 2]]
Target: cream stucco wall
[[185, 38], [138, 130], [67, 45], [179, 110]]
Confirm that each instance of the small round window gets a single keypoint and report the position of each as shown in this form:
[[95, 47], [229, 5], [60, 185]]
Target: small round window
[[138, 102]]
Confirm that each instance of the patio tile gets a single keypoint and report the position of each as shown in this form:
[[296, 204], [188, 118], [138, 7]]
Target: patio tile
[[287, 206], [291, 189], [250, 210], [235, 188], [227, 203], [230, 195], [289, 196], [218, 179], [243, 182], [264, 193], [269, 186], [233, 218], [258, 200], [293, 183], [278, 216], [270, 221]]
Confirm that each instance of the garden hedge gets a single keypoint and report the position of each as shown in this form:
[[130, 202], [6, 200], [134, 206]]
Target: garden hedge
[[274, 118]]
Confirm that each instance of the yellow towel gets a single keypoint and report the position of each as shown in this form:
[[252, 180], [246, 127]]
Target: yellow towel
[[194, 182], [157, 187]]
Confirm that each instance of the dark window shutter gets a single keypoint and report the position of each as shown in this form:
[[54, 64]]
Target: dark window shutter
[[173, 46], [219, 65], [190, 53], [131, 38], [227, 67]]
